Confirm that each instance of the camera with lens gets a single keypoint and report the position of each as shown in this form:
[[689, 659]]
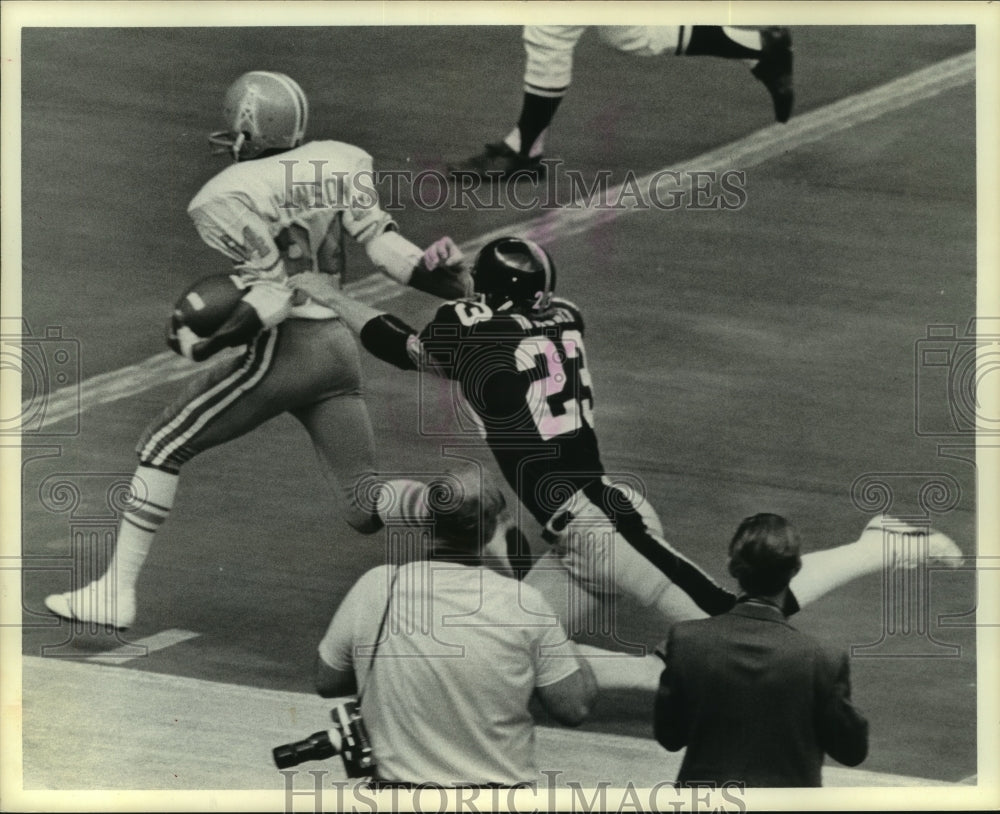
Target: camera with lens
[[348, 738]]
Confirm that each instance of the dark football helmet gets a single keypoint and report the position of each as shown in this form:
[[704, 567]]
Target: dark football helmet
[[514, 274]]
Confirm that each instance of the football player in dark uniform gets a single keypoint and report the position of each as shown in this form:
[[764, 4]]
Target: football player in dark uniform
[[518, 356]]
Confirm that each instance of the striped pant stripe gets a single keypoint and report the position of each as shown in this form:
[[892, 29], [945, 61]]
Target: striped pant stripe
[[206, 406]]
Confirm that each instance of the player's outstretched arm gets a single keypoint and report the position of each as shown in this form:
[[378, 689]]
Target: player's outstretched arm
[[322, 289], [382, 334], [438, 270]]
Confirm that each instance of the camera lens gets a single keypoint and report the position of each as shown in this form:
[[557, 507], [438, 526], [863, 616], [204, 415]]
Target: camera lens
[[316, 747]]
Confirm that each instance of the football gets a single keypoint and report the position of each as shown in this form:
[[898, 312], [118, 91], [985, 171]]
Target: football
[[207, 304]]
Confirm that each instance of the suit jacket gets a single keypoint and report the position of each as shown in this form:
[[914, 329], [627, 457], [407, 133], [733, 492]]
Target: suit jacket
[[755, 701]]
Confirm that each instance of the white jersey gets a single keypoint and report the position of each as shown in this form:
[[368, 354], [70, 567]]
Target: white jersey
[[251, 208]]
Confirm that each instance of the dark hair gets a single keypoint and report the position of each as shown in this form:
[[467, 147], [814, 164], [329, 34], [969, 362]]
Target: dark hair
[[764, 554], [466, 511]]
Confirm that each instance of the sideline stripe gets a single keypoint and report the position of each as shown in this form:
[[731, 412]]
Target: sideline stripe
[[142, 707], [754, 149], [150, 644]]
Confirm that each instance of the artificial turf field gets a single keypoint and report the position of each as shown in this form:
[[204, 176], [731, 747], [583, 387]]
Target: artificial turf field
[[764, 358]]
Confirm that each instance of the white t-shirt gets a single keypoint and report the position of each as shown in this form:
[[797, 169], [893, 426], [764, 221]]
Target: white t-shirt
[[446, 698]]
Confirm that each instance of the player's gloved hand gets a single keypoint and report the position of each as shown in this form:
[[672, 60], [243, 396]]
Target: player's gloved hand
[[442, 272], [239, 329], [181, 339]]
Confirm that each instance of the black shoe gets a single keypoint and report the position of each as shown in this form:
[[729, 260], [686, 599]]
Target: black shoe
[[499, 162], [775, 70]]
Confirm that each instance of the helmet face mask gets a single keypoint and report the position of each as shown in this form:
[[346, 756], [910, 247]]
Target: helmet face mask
[[511, 274], [263, 110]]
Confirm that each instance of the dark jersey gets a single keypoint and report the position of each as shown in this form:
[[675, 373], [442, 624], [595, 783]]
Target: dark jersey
[[525, 379]]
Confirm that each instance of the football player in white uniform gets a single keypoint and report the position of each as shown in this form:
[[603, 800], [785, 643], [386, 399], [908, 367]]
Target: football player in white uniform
[[548, 72], [281, 209]]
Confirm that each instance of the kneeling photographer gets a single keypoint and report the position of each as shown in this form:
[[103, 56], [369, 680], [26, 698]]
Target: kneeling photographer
[[445, 657]]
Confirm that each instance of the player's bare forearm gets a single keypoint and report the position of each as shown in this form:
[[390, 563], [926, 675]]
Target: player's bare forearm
[[382, 334], [322, 289]]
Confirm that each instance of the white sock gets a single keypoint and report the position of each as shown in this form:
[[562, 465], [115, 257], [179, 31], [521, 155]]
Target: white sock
[[513, 140], [154, 492], [824, 571]]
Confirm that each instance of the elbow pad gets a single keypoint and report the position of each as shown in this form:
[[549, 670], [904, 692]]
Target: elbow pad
[[386, 337]]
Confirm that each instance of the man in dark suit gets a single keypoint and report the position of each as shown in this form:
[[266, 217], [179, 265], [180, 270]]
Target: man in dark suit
[[754, 700]]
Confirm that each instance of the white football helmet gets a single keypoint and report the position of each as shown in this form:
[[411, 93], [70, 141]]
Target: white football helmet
[[264, 110]]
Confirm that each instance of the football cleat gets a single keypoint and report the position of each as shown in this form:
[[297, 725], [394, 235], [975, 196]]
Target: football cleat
[[511, 273], [207, 304], [499, 162], [907, 546], [774, 70], [263, 110]]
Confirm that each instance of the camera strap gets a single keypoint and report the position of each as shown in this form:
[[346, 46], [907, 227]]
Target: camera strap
[[381, 630]]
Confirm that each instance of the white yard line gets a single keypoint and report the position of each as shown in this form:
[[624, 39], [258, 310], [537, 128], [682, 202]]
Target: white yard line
[[754, 149], [149, 644]]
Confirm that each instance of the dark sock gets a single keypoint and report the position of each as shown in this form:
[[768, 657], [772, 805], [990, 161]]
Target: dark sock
[[711, 40], [536, 115]]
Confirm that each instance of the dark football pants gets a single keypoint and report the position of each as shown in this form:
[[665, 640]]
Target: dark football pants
[[597, 558]]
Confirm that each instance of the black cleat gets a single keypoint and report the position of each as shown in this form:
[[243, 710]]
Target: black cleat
[[775, 70], [499, 162]]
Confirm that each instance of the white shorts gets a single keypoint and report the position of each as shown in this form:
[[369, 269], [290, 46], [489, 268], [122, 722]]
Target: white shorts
[[549, 50]]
